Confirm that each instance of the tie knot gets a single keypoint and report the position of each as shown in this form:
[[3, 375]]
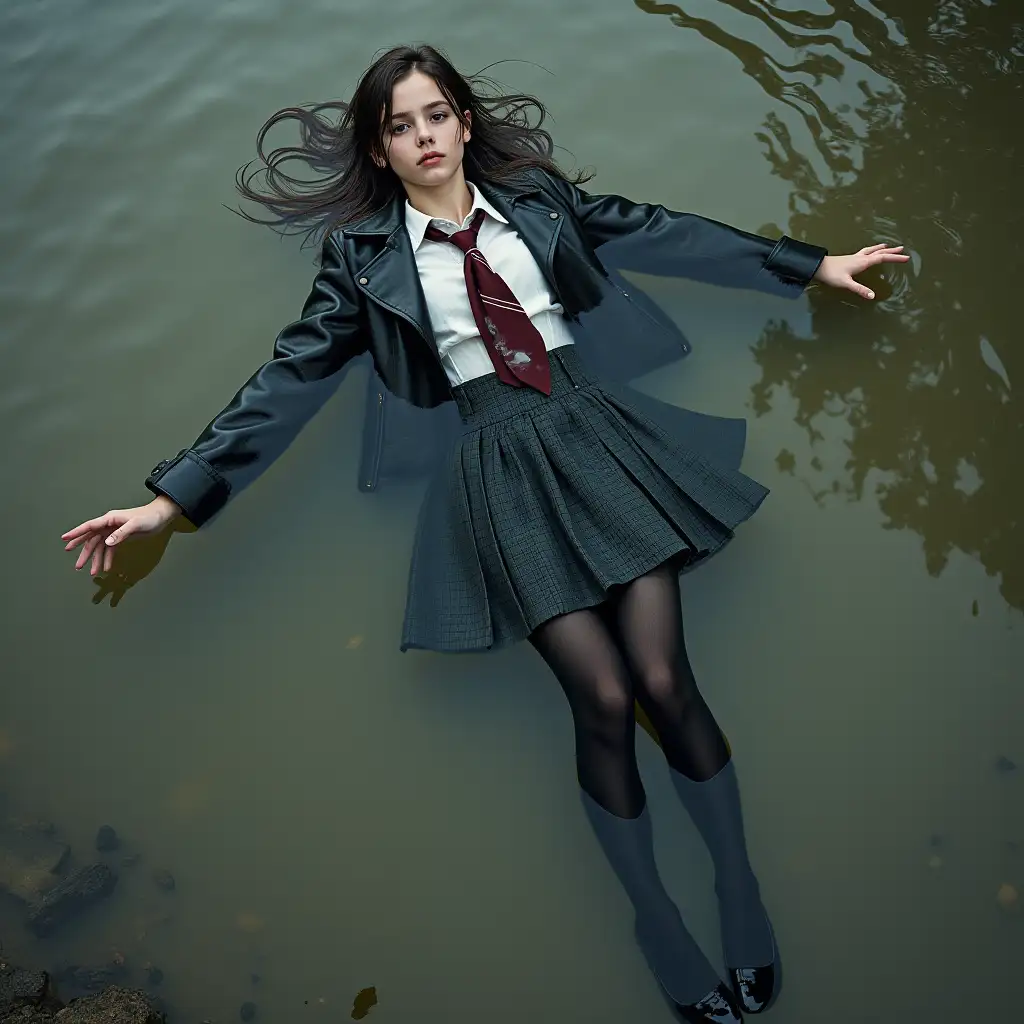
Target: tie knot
[[464, 239]]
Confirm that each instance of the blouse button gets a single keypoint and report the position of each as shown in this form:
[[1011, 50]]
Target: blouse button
[[553, 216], [364, 280]]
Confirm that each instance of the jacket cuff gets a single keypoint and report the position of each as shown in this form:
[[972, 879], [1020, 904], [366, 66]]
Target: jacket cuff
[[793, 264], [192, 484]]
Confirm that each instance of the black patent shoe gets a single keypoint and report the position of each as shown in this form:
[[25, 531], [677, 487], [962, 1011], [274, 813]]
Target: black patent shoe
[[717, 1007], [756, 987], [753, 986]]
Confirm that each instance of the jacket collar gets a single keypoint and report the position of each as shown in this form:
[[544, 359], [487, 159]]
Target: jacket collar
[[416, 223], [390, 217], [390, 277]]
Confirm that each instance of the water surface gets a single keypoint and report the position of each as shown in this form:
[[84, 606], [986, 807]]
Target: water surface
[[339, 815]]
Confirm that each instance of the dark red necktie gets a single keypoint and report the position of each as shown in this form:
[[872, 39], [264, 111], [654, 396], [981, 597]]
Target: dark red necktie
[[515, 346]]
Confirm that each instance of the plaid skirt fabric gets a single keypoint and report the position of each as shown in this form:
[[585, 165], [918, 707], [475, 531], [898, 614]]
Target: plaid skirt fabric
[[546, 502]]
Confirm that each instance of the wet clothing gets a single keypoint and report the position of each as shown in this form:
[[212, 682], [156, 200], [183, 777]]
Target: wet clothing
[[367, 301], [545, 502]]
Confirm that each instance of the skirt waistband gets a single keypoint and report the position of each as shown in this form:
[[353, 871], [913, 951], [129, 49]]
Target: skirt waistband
[[485, 400]]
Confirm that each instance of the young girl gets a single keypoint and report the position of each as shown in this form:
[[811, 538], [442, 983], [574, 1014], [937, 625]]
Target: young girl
[[457, 254]]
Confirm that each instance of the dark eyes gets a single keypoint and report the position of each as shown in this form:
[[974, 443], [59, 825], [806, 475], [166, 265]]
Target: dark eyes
[[396, 129]]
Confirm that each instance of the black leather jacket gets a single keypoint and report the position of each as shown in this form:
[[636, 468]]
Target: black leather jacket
[[366, 298]]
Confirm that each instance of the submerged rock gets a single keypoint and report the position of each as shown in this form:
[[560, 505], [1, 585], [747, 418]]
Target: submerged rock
[[31, 859], [107, 839], [116, 1005], [1005, 765], [20, 989], [74, 981], [247, 1011], [70, 897], [28, 997]]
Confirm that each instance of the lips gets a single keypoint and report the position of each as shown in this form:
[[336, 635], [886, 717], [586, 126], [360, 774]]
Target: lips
[[431, 158]]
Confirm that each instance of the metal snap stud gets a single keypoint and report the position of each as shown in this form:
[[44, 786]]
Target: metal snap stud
[[553, 216], [364, 280]]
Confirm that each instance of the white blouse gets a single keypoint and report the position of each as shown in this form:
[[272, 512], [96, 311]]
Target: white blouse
[[440, 266]]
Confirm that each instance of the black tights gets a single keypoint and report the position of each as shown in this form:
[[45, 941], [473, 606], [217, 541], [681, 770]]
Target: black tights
[[631, 647]]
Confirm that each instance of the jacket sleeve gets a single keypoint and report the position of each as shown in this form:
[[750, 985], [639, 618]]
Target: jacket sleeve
[[650, 239], [243, 439]]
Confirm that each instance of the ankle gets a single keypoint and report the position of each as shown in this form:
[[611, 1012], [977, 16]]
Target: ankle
[[738, 887]]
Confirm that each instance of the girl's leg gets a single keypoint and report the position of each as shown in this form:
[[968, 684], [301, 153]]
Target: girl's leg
[[583, 656], [650, 632]]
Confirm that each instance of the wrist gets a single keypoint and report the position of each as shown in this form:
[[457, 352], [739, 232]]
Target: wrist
[[167, 508], [822, 271]]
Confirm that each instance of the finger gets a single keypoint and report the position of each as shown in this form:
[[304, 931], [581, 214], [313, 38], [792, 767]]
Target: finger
[[72, 544], [868, 249], [108, 559], [89, 548], [125, 530], [97, 560], [891, 257], [93, 524]]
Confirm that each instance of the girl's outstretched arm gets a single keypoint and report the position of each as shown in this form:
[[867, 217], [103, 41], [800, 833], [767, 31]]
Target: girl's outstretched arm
[[651, 239], [257, 425]]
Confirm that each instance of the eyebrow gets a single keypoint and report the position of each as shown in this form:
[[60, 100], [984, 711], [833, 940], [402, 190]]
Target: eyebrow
[[429, 106]]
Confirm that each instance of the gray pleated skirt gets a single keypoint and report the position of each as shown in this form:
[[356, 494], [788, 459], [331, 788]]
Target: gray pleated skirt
[[546, 502]]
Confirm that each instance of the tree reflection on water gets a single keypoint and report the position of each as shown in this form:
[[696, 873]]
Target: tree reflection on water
[[930, 159]]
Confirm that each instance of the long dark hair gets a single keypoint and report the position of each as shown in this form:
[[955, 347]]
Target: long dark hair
[[351, 186]]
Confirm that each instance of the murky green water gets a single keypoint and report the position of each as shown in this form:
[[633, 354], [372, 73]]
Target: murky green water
[[339, 815]]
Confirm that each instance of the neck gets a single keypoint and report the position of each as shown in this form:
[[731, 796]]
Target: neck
[[450, 200]]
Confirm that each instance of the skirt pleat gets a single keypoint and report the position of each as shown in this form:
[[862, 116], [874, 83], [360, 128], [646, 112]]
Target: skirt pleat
[[546, 503]]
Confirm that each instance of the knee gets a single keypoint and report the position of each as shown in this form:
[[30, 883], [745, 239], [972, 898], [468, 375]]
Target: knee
[[663, 687], [611, 706]]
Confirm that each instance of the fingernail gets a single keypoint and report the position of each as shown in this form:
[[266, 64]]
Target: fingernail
[[871, 295], [109, 540]]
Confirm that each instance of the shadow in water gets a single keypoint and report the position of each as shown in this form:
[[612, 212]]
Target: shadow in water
[[923, 380], [134, 560]]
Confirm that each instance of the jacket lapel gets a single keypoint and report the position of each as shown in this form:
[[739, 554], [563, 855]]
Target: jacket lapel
[[519, 203], [390, 277]]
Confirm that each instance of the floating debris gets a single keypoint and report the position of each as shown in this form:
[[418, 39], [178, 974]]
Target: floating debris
[[364, 1001], [974, 608], [1007, 896], [786, 461], [354, 642], [936, 841], [935, 862], [1005, 765]]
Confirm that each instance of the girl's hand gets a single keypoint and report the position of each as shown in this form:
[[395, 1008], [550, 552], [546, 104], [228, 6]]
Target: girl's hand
[[114, 527], [839, 271]]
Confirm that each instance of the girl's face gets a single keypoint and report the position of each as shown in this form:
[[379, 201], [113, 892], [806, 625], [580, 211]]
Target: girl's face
[[423, 123]]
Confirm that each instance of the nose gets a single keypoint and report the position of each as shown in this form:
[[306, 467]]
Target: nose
[[425, 135]]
